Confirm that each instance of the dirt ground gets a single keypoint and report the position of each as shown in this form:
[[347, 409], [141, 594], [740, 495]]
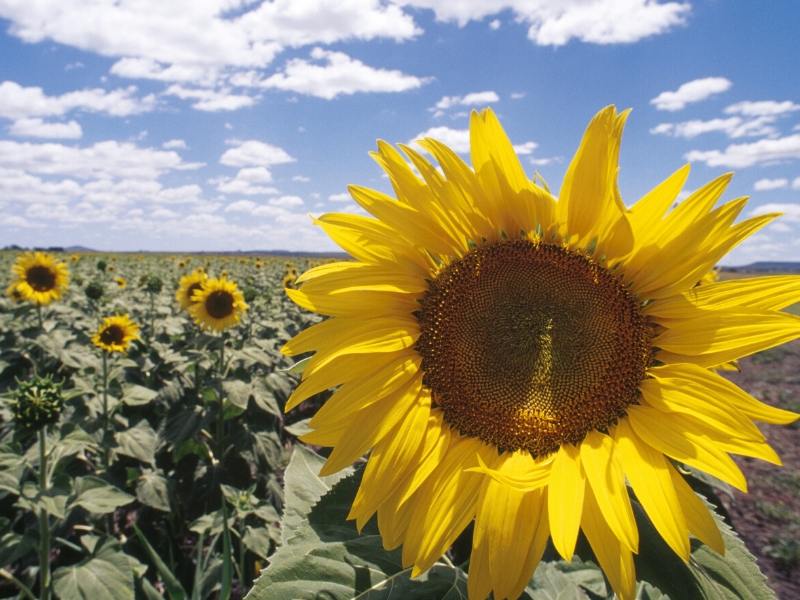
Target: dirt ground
[[768, 517]]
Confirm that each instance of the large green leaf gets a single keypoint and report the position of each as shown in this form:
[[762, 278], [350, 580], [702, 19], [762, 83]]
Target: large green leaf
[[97, 496], [323, 556], [108, 573], [152, 490], [140, 442]]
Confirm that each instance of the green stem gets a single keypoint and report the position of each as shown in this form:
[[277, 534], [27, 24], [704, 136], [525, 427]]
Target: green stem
[[39, 316], [152, 316], [44, 525], [105, 442], [221, 416], [23, 588]]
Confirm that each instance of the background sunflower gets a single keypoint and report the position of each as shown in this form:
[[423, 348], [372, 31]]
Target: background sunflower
[[218, 304], [40, 277], [115, 333]]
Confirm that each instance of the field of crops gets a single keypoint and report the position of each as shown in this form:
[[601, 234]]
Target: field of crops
[[132, 491], [172, 471]]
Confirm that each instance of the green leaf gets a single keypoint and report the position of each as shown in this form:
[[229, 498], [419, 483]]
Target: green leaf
[[12, 466], [708, 575], [152, 490], [299, 428], [108, 573], [97, 496], [257, 540], [174, 588], [137, 395], [140, 442], [237, 393], [561, 580], [323, 556]]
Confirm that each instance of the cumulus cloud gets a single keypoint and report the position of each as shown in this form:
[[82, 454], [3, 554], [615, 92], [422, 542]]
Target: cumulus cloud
[[254, 153], [210, 100], [690, 92], [248, 181], [19, 102], [174, 145], [790, 212], [555, 22], [341, 197], [763, 185], [330, 74], [733, 127], [38, 128], [762, 108], [738, 156], [471, 99], [458, 140]]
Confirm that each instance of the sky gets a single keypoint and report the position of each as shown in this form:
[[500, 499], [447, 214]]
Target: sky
[[192, 125]]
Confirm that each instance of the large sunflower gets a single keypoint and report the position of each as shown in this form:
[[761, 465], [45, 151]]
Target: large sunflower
[[41, 278], [512, 359], [116, 333], [187, 286], [218, 304]]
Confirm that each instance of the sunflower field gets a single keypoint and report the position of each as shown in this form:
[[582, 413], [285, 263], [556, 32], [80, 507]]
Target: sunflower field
[[498, 393]]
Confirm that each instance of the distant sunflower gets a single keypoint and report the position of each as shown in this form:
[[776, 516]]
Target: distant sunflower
[[290, 278], [14, 292], [512, 359], [116, 333], [187, 286], [121, 282], [218, 304], [41, 278]]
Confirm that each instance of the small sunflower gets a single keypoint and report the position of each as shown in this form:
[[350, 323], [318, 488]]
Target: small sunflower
[[122, 283], [14, 292], [290, 278], [187, 286], [218, 304], [40, 277], [516, 360], [116, 333]]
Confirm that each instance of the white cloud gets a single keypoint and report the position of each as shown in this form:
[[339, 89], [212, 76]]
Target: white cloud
[[301, 178], [556, 22], [746, 155], [209, 100], [733, 127], [790, 212], [174, 145], [338, 74], [103, 159], [342, 197], [763, 185], [253, 153], [286, 201], [517, 95], [691, 91], [248, 181], [525, 148], [471, 99], [796, 183], [456, 139], [147, 68], [18, 102], [35, 127], [762, 108], [494, 24]]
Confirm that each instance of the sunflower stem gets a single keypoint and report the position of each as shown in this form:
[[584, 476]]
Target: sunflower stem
[[40, 318], [44, 525], [152, 316], [221, 416], [106, 445]]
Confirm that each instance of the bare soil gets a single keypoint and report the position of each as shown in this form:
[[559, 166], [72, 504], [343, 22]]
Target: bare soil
[[768, 516]]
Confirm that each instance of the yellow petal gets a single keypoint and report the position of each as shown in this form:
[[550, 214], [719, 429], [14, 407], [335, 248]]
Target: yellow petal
[[660, 433], [527, 475], [707, 383], [589, 201], [698, 518], [614, 558], [565, 499], [649, 474], [650, 209], [608, 486]]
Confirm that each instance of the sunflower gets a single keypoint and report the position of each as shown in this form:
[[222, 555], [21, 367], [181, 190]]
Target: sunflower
[[511, 358], [187, 286], [218, 304], [14, 292], [40, 277], [116, 333], [290, 278], [121, 282]]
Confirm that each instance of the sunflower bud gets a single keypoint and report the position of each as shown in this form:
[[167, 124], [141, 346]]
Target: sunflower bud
[[102, 265], [249, 294], [38, 402], [154, 285], [94, 291]]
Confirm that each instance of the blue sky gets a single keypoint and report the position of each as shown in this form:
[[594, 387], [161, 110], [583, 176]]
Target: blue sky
[[221, 125]]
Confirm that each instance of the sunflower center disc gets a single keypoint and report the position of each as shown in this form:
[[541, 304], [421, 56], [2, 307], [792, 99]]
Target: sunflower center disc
[[219, 304], [40, 278], [527, 345], [112, 334]]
